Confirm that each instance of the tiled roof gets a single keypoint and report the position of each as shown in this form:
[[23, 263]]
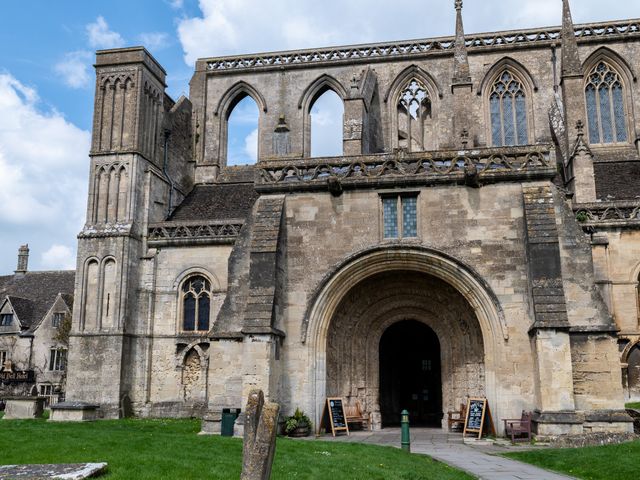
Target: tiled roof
[[617, 180], [217, 202], [32, 294]]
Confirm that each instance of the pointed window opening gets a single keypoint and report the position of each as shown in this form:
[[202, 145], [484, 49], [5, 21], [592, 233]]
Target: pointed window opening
[[508, 107], [605, 105], [196, 304], [326, 113], [242, 132], [414, 111]]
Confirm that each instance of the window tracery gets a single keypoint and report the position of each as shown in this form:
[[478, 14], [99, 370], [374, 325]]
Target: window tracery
[[196, 304], [414, 111], [605, 105], [508, 108]]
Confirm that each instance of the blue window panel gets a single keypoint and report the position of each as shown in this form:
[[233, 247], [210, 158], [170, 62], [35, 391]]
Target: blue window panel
[[605, 115], [189, 313], [390, 217], [507, 120], [203, 312], [521, 119], [409, 217], [592, 115], [618, 112], [496, 125]]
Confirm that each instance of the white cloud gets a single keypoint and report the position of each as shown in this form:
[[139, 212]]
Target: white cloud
[[59, 257], [74, 69], [101, 37], [251, 145], [177, 4], [154, 40], [44, 170], [228, 27]]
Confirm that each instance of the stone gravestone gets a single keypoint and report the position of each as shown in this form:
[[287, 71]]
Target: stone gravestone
[[261, 422]]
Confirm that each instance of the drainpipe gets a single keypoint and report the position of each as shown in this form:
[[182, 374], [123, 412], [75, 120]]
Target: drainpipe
[[167, 134]]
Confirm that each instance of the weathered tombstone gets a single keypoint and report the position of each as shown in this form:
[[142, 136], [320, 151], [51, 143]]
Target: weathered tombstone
[[23, 407], [261, 422]]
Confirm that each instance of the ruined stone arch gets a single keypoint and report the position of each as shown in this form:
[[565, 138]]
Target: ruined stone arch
[[420, 134], [529, 86], [627, 78], [336, 285], [193, 363], [309, 96], [234, 95]]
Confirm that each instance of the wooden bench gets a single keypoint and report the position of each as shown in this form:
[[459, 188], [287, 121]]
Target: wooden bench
[[456, 417], [519, 429], [355, 414]]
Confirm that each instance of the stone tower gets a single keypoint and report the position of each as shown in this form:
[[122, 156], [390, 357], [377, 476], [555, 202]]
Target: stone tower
[[139, 170]]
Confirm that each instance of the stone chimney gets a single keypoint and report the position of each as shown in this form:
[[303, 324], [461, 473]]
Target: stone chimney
[[23, 259]]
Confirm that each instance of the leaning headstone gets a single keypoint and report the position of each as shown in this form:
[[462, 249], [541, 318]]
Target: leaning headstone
[[261, 422]]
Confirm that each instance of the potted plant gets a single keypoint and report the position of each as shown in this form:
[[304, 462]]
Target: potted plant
[[297, 425]]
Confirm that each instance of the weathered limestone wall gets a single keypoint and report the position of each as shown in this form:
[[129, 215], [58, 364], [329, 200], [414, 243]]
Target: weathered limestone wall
[[481, 227]]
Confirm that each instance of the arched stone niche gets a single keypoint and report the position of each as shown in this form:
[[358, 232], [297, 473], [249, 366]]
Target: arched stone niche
[[377, 288]]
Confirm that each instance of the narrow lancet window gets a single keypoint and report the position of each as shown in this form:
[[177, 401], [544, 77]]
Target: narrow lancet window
[[605, 105], [242, 132], [326, 125], [508, 108]]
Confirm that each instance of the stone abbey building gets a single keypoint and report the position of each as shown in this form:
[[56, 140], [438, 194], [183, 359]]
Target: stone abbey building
[[479, 235]]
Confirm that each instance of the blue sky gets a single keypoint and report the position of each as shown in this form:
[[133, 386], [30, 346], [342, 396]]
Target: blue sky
[[46, 80]]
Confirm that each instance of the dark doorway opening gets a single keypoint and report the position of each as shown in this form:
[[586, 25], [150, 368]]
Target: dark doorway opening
[[410, 375]]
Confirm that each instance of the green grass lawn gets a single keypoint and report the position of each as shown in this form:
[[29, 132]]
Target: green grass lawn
[[608, 462], [155, 449], [635, 405]]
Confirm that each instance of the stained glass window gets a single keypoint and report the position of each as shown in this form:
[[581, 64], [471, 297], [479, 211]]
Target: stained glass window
[[508, 108], [407, 225], [605, 105], [196, 304], [390, 217], [409, 217]]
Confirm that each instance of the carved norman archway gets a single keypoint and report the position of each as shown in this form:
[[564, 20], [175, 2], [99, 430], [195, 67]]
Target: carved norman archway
[[380, 287]]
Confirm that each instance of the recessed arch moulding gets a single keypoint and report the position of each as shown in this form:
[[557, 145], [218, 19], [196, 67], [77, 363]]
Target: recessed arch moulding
[[373, 290]]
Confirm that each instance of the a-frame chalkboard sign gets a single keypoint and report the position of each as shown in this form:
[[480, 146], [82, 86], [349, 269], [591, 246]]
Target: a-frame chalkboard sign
[[478, 419], [333, 416]]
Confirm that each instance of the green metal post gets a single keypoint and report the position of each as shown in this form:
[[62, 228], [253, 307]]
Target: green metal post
[[405, 439]]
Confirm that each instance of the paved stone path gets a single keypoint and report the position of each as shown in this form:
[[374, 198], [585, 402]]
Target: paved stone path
[[479, 458]]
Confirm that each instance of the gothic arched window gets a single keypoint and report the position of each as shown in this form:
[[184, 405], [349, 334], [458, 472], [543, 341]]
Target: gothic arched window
[[507, 103], [414, 109], [605, 105], [196, 302]]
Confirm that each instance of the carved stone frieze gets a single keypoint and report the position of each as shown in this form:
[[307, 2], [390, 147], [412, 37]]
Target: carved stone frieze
[[422, 167], [176, 233], [379, 51]]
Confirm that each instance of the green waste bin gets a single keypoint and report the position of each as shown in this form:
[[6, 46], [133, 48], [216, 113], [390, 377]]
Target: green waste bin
[[229, 416]]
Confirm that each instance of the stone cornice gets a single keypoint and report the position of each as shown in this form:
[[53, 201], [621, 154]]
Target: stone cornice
[[476, 166], [411, 49], [614, 214], [193, 233]]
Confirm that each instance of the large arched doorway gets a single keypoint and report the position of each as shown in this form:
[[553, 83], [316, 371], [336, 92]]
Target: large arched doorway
[[410, 374], [381, 286], [358, 332]]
